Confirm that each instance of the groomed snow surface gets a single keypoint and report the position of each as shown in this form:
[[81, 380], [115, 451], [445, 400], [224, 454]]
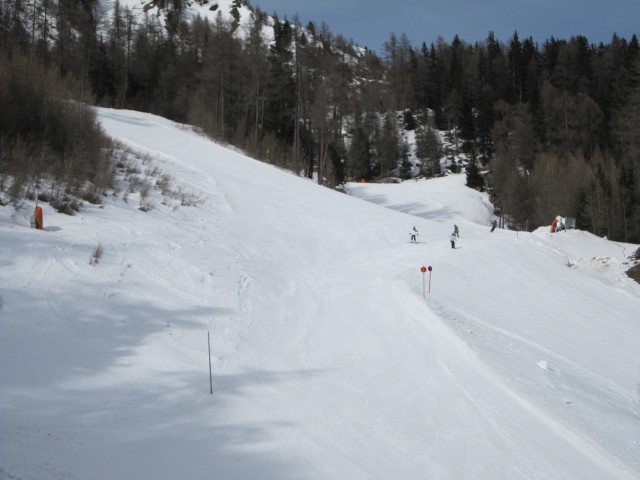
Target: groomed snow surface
[[522, 362]]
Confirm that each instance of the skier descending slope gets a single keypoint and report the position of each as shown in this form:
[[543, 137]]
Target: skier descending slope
[[414, 235]]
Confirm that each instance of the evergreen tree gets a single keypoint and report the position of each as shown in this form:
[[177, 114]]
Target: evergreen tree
[[235, 14], [428, 151], [474, 179], [360, 154], [280, 89], [406, 168], [388, 146]]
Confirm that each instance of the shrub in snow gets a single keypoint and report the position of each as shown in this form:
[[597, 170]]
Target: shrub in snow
[[96, 255]]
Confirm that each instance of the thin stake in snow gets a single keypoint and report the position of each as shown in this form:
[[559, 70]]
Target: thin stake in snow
[[423, 270], [210, 377]]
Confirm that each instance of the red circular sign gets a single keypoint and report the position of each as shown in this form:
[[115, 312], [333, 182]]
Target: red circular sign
[[423, 269]]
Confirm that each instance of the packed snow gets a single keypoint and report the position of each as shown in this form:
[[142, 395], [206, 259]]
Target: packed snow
[[333, 356]]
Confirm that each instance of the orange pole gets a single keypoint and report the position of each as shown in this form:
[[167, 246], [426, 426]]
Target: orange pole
[[38, 214]]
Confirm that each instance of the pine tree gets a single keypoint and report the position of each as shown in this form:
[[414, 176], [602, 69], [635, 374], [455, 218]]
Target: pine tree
[[428, 151], [474, 179], [406, 168], [235, 14], [280, 89]]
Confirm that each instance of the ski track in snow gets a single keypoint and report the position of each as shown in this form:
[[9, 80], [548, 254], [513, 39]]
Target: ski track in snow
[[579, 403]]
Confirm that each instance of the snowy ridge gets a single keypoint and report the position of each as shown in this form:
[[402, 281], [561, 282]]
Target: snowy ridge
[[210, 10], [328, 362], [205, 9]]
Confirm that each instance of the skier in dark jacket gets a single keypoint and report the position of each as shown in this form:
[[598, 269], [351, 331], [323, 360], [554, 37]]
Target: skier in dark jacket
[[456, 232], [494, 224]]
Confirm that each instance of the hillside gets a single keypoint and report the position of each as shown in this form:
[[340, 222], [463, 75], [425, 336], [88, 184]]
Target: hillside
[[522, 362], [209, 9]]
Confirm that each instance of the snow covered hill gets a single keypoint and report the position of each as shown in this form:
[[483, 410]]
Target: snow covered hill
[[328, 361], [211, 10]]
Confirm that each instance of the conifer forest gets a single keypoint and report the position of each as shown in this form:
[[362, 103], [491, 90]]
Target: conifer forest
[[547, 126]]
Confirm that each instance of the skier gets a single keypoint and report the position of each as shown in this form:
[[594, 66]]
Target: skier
[[414, 234], [456, 232], [494, 224], [452, 238]]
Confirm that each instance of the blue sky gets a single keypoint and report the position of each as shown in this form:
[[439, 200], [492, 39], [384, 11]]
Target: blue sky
[[371, 22]]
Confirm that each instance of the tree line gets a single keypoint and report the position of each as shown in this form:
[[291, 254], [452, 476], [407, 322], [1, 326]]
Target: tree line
[[547, 128]]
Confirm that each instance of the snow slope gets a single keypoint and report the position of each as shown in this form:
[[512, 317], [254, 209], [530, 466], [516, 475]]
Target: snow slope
[[523, 362]]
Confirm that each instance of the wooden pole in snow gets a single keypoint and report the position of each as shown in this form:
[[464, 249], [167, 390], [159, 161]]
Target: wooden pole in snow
[[210, 377]]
